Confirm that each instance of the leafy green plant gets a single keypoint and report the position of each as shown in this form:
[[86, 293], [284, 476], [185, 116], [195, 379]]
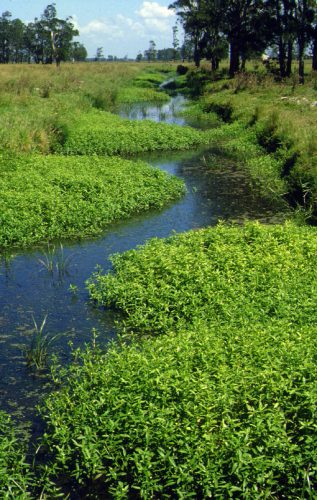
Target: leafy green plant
[[47, 198], [102, 133], [73, 289], [216, 395], [16, 478]]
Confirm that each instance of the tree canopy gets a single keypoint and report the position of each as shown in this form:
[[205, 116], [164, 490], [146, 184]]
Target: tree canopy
[[243, 28], [46, 40]]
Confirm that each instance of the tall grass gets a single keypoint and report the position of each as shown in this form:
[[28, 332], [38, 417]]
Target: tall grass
[[36, 98]]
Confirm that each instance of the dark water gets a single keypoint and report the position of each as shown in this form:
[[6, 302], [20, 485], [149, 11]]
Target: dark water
[[216, 190]]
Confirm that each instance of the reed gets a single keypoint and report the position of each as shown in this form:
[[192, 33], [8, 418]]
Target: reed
[[37, 352]]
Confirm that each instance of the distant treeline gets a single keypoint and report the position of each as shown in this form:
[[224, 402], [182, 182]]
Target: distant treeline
[[46, 40], [286, 28]]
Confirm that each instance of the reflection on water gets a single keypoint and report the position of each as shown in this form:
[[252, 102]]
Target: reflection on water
[[167, 112], [216, 189]]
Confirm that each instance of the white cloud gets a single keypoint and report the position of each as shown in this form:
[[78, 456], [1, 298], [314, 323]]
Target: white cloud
[[102, 27], [156, 17], [134, 26], [153, 10], [120, 34]]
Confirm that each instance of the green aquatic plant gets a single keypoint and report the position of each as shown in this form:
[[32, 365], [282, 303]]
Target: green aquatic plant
[[101, 133], [16, 477], [48, 258], [56, 259], [37, 352], [73, 289], [211, 391], [62, 262], [52, 197]]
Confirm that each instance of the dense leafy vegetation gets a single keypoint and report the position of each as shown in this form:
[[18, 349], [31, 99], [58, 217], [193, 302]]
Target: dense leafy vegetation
[[49, 197], [106, 134], [223, 402], [215, 394], [15, 475], [224, 274]]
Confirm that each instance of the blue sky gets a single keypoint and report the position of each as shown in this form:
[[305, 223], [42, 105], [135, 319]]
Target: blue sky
[[121, 27]]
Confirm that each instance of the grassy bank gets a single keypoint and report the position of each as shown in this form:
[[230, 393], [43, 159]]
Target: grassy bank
[[273, 130], [37, 102], [45, 198], [222, 401]]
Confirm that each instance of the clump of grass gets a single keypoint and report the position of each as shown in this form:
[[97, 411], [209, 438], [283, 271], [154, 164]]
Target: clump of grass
[[37, 353], [56, 259], [48, 259]]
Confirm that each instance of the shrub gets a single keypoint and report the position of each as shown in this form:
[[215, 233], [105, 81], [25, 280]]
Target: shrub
[[181, 69]]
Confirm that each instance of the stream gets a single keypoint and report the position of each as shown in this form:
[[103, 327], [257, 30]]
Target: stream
[[216, 189]]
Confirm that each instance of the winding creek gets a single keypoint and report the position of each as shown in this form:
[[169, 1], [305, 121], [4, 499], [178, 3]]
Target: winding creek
[[217, 189]]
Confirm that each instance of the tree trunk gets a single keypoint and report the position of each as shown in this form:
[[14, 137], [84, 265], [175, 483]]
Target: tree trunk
[[282, 57], [289, 58], [314, 63], [234, 58], [197, 53], [214, 63], [301, 50], [197, 57]]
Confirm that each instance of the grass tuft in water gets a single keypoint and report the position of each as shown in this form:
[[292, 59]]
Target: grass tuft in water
[[37, 353]]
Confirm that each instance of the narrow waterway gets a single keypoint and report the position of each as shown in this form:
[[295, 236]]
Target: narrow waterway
[[216, 189]]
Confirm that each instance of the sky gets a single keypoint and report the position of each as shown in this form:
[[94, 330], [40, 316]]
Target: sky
[[121, 27]]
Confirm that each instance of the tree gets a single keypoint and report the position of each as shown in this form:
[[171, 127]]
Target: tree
[[150, 54], [58, 34], [16, 42], [196, 26], [78, 52], [99, 54], [166, 54], [304, 15], [5, 22], [175, 42]]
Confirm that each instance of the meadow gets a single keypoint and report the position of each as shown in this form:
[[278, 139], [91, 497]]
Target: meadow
[[210, 389]]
